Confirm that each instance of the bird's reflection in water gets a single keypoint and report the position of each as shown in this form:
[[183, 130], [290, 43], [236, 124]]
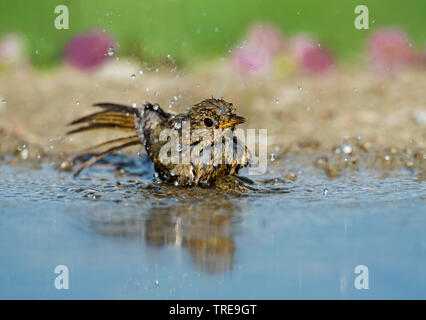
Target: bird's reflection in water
[[205, 230], [203, 221], [204, 225]]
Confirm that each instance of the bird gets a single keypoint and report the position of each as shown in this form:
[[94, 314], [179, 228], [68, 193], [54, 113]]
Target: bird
[[186, 149]]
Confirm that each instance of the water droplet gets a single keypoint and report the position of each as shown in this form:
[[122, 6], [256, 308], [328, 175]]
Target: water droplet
[[355, 89], [77, 103], [176, 183], [24, 154], [277, 101], [346, 147], [325, 192], [111, 51], [134, 105], [36, 52], [133, 76], [216, 29], [157, 283], [140, 71], [387, 157], [155, 94], [319, 45], [299, 87], [272, 157], [3, 101], [308, 108]]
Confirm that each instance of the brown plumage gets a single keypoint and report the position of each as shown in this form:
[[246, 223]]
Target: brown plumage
[[149, 126]]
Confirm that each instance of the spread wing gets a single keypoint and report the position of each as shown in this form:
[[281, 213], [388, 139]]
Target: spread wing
[[113, 116]]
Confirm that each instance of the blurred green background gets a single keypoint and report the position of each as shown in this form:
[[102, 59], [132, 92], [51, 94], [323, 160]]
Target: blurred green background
[[196, 30]]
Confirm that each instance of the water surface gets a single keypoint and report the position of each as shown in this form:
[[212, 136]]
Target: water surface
[[123, 236]]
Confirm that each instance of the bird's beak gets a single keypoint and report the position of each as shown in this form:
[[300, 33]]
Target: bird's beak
[[234, 121]]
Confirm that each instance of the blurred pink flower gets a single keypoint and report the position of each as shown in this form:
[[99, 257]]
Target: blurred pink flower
[[265, 51], [88, 51], [310, 56], [390, 49], [299, 44], [11, 49], [423, 56], [251, 59], [317, 60], [266, 37]]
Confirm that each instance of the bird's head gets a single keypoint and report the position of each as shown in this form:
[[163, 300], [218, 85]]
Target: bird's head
[[214, 114]]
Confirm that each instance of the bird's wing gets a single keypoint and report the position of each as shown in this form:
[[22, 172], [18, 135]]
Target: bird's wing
[[113, 116]]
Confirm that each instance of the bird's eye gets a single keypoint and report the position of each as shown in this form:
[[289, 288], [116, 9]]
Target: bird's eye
[[208, 122]]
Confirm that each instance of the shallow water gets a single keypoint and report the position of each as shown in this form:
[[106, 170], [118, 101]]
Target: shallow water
[[123, 236]]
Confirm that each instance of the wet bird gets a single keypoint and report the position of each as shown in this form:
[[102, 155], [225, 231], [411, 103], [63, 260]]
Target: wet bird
[[186, 149]]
